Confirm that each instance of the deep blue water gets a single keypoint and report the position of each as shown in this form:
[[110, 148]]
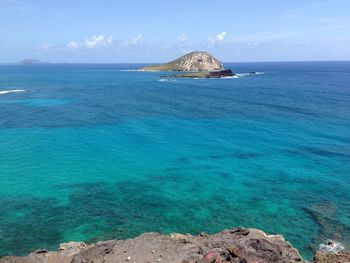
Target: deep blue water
[[90, 152]]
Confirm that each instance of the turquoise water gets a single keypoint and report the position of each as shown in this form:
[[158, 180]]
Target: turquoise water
[[91, 152]]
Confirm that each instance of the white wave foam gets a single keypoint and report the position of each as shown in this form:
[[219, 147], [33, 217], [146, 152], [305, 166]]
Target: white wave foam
[[231, 77], [250, 74], [331, 247], [11, 91], [227, 77], [240, 75], [164, 79], [236, 76]]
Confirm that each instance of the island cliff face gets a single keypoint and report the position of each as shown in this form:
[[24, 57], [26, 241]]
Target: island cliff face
[[194, 61], [237, 245]]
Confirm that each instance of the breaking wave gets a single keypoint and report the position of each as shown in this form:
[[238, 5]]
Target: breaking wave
[[249, 74], [331, 247], [11, 91], [166, 79]]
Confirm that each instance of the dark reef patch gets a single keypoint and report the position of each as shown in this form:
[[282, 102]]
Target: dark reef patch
[[224, 175], [183, 160], [325, 215], [327, 152], [242, 156], [321, 152], [100, 211], [173, 176], [29, 223], [294, 110], [237, 154]]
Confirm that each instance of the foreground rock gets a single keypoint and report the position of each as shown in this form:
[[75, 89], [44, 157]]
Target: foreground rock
[[194, 61], [236, 245], [339, 257]]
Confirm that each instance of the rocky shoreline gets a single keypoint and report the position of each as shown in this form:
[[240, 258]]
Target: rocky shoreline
[[239, 245]]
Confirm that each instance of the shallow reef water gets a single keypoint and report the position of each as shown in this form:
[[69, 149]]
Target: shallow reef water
[[94, 152]]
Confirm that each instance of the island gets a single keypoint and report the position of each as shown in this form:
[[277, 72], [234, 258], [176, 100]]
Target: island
[[29, 61], [197, 64]]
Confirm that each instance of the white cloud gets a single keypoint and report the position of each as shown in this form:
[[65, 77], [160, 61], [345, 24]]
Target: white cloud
[[73, 45], [137, 39], [93, 42], [217, 39], [133, 42], [182, 38], [109, 40], [221, 36]]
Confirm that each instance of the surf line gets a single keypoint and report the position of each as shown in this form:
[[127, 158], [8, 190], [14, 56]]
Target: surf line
[[11, 91]]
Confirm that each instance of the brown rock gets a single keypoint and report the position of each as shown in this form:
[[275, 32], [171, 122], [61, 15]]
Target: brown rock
[[238, 245], [324, 257], [96, 253], [181, 238]]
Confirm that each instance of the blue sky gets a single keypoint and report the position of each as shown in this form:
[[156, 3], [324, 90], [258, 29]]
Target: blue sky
[[159, 30]]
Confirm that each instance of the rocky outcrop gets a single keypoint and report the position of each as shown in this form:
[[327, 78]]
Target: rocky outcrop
[[332, 230], [236, 245], [203, 74], [194, 61], [31, 61], [326, 257]]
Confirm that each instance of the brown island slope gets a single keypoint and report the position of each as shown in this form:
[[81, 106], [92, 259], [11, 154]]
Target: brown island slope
[[197, 64], [237, 245]]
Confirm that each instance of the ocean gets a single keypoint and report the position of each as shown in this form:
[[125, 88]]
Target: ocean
[[92, 152]]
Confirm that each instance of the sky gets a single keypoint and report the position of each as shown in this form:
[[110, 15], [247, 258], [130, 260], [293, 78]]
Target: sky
[[122, 31]]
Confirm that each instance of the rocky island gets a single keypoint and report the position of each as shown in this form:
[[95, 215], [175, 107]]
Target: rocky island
[[31, 62], [198, 64], [239, 245], [194, 61]]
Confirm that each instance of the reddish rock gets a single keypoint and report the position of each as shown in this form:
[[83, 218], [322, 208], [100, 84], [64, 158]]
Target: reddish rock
[[238, 245], [212, 257], [324, 257]]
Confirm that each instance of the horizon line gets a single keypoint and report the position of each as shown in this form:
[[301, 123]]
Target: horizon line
[[267, 61]]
